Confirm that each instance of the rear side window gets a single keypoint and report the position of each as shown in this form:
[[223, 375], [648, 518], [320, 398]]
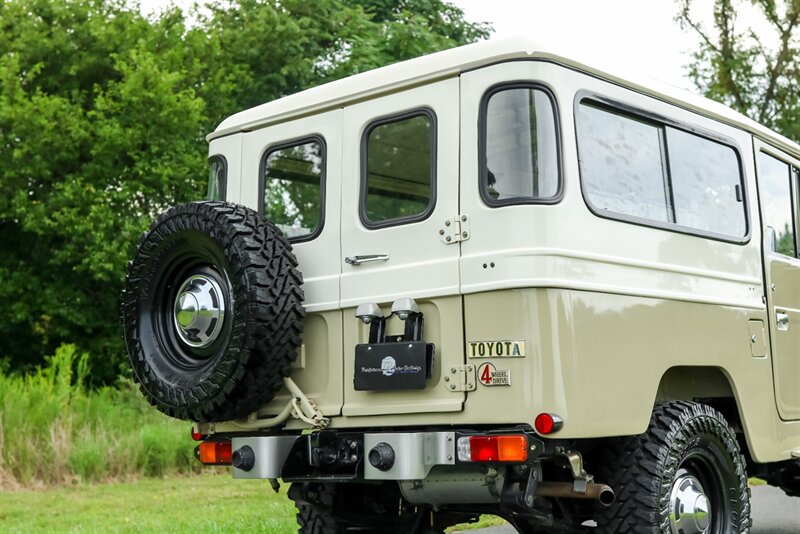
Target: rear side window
[[293, 183], [520, 154], [622, 164], [637, 168], [217, 178], [399, 169], [705, 184], [775, 189]]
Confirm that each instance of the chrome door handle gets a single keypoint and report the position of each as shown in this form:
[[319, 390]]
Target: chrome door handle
[[782, 320], [366, 258]]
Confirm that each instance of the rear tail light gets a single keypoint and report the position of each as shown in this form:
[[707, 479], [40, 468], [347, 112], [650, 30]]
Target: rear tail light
[[547, 423], [493, 448], [197, 435], [214, 452]]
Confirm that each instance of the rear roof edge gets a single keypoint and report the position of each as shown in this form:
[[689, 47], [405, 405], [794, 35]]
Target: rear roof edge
[[449, 63]]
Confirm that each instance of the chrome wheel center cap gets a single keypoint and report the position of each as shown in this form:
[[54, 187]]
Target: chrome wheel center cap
[[199, 311], [689, 507]]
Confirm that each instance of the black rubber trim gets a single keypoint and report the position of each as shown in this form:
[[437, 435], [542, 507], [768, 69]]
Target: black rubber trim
[[323, 178], [362, 195], [482, 135]]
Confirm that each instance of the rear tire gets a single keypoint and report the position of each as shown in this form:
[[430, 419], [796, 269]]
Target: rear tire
[[315, 504], [687, 460], [344, 507]]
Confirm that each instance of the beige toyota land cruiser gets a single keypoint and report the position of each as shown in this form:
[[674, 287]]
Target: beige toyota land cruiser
[[489, 280]]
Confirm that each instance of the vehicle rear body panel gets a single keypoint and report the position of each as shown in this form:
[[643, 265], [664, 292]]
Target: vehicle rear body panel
[[606, 309]]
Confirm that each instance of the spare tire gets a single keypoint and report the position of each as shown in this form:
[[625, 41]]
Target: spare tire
[[212, 311]]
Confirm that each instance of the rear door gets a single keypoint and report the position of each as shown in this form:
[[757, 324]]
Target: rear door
[[291, 172], [400, 185], [778, 197]]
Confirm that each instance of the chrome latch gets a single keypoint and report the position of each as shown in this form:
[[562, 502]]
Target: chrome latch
[[461, 378], [455, 230]]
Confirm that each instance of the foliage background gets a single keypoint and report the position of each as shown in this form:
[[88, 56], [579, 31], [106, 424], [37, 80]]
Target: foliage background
[[757, 74], [103, 113]]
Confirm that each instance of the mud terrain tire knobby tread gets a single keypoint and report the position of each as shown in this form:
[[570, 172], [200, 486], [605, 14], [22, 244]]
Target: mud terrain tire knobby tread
[[315, 507], [641, 469], [263, 328]]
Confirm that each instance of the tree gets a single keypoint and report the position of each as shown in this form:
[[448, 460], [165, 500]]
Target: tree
[[756, 74], [103, 113]]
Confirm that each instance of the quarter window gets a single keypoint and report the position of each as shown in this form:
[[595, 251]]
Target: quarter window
[[399, 170], [644, 169], [775, 187], [217, 178], [293, 188], [521, 158]]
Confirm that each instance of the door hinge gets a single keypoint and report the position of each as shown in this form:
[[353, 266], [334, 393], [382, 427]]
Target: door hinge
[[455, 230], [461, 378]]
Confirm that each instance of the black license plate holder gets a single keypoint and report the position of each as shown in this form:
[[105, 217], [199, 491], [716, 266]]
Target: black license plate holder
[[393, 366]]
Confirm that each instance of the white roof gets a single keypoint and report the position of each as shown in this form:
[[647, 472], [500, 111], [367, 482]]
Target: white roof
[[449, 63]]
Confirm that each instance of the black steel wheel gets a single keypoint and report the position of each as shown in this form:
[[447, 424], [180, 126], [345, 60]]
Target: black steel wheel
[[685, 475], [212, 311]]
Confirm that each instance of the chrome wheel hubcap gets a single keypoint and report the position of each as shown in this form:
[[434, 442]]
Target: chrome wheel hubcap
[[199, 311], [689, 507]]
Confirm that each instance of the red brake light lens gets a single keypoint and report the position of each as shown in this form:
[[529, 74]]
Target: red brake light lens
[[483, 449]]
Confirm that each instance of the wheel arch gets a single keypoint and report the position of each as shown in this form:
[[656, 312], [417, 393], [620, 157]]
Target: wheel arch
[[708, 385]]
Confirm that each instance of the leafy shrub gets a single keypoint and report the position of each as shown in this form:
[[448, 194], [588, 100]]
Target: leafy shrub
[[53, 430]]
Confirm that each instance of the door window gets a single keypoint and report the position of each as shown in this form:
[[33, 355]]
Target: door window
[[293, 184], [521, 146], [399, 170], [775, 186]]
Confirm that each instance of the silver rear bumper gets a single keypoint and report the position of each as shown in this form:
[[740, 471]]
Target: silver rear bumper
[[416, 453]]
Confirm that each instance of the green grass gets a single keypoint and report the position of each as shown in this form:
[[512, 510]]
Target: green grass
[[55, 431], [205, 503]]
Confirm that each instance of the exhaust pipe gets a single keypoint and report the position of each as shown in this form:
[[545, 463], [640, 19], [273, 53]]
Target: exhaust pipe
[[598, 492]]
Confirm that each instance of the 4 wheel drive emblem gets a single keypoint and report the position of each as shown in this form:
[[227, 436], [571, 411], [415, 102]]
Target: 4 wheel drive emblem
[[489, 375]]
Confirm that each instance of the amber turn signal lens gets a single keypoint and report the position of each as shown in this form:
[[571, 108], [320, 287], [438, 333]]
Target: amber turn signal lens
[[512, 448], [214, 452]]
